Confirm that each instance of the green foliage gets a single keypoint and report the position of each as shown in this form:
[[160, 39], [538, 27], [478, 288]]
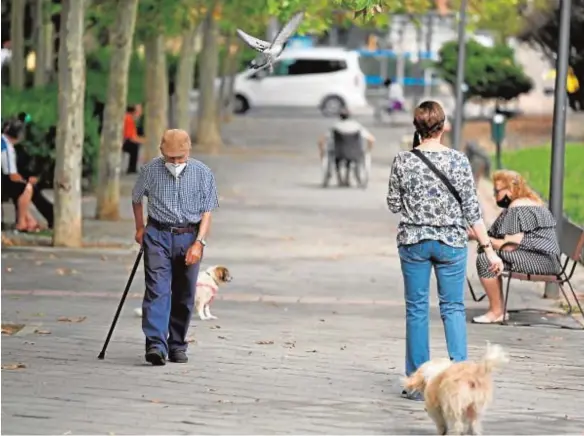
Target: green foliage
[[534, 165], [490, 72], [98, 63], [39, 143]]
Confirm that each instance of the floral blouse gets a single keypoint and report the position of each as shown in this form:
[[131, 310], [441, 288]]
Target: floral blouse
[[428, 209]]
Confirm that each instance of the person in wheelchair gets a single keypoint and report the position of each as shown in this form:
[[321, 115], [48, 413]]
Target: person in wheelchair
[[21, 189], [346, 143]]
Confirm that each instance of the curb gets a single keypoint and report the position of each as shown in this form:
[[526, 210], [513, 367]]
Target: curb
[[65, 250]]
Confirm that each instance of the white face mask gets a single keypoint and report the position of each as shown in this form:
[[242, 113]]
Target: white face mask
[[175, 169]]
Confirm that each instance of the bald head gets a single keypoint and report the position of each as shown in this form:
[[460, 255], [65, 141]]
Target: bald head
[[175, 145]]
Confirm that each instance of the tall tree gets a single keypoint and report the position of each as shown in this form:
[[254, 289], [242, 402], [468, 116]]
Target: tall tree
[[17, 9], [208, 136], [110, 154], [70, 128], [185, 77], [156, 110], [42, 35]]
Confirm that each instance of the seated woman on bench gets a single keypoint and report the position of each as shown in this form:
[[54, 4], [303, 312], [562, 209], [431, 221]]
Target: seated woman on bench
[[524, 236], [14, 186]]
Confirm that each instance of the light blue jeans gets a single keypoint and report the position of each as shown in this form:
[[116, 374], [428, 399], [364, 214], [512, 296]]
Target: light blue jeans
[[449, 265]]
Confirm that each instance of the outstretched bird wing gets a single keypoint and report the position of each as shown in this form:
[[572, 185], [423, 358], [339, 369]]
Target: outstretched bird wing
[[288, 30], [256, 44]]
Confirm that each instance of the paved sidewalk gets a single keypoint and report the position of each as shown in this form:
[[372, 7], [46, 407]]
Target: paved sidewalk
[[310, 335]]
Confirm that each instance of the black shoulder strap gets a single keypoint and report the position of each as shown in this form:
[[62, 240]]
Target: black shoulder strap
[[439, 173]]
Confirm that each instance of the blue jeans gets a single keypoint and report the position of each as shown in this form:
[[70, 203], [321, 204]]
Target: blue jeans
[[170, 289], [450, 268]]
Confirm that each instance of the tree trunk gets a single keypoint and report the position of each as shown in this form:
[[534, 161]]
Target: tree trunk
[[70, 128], [185, 78], [156, 110], [222, 93], [42, 38], [17, 44], [228, 81], [110, 150], [208, 135]]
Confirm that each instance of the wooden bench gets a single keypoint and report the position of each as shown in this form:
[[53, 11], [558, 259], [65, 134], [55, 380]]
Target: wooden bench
[[572, 248]]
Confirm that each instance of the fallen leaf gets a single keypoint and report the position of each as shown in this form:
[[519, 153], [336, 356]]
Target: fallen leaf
[[311, 351], [10, 329], [9, 270], [61, 271], [13, 366], [42, 332], [28, 343], [215, 327], [221, 337], [344, 347], [264, 342], [322, 320], [335, 313], [155, 401], [290, 344], [211, 390], [75, 319]]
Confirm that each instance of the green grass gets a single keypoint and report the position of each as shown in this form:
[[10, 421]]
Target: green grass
[[534, 165]]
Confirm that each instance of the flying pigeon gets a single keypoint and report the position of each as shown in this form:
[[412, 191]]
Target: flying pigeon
[[269, 52]]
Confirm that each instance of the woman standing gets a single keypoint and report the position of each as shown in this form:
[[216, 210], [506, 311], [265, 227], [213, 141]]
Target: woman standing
[[433, 188]]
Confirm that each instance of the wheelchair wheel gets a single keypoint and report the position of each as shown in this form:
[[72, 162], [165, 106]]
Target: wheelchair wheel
[[361, 170]]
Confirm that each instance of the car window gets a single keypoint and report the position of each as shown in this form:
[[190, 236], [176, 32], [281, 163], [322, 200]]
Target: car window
[[282, 68], [316, 66]]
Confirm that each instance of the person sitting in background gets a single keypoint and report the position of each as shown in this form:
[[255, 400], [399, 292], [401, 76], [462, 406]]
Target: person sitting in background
[[132, 141], [346, 125], [395, 96], [14, 186], [524, 236]]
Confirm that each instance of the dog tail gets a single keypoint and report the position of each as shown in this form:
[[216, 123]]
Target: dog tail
[[494, 357]]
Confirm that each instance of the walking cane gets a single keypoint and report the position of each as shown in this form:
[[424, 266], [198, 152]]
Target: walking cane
[[124, 295]]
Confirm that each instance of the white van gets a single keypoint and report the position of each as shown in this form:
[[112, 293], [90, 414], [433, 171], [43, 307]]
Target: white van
[[320, 77]]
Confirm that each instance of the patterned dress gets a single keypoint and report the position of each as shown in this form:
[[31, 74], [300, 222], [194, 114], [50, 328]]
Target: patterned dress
[[538, 252], [428, 209]]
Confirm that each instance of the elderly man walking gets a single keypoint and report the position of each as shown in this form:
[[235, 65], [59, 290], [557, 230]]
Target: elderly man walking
[[181, 194]]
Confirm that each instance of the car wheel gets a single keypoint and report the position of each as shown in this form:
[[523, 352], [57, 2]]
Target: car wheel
[[240, 105], [332, 106]]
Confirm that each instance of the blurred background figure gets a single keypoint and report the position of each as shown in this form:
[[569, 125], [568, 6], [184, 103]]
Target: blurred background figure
[[395, 96], [132, 141]]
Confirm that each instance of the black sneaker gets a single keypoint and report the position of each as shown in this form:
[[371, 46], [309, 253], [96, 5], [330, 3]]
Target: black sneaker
[[178, 356], [155, 357]]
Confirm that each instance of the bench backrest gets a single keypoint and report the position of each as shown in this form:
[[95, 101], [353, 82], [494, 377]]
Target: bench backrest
[[572, 241], [348, 145]]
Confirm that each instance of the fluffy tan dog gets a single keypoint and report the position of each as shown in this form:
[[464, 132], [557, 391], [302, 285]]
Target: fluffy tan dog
[[457, 394]]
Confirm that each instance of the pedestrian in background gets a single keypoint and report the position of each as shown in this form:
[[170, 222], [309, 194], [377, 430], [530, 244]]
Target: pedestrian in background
[[432, 233], [181, 194], [132, 140]]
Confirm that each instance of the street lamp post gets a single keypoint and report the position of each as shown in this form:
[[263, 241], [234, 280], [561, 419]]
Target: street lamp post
[[458, 111], [559, 128]]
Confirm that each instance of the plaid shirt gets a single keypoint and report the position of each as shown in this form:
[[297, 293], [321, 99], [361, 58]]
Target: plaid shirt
[[176, 200]]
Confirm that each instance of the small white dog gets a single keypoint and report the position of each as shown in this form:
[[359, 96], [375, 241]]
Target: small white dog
[[456, 395], [208, 283]]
